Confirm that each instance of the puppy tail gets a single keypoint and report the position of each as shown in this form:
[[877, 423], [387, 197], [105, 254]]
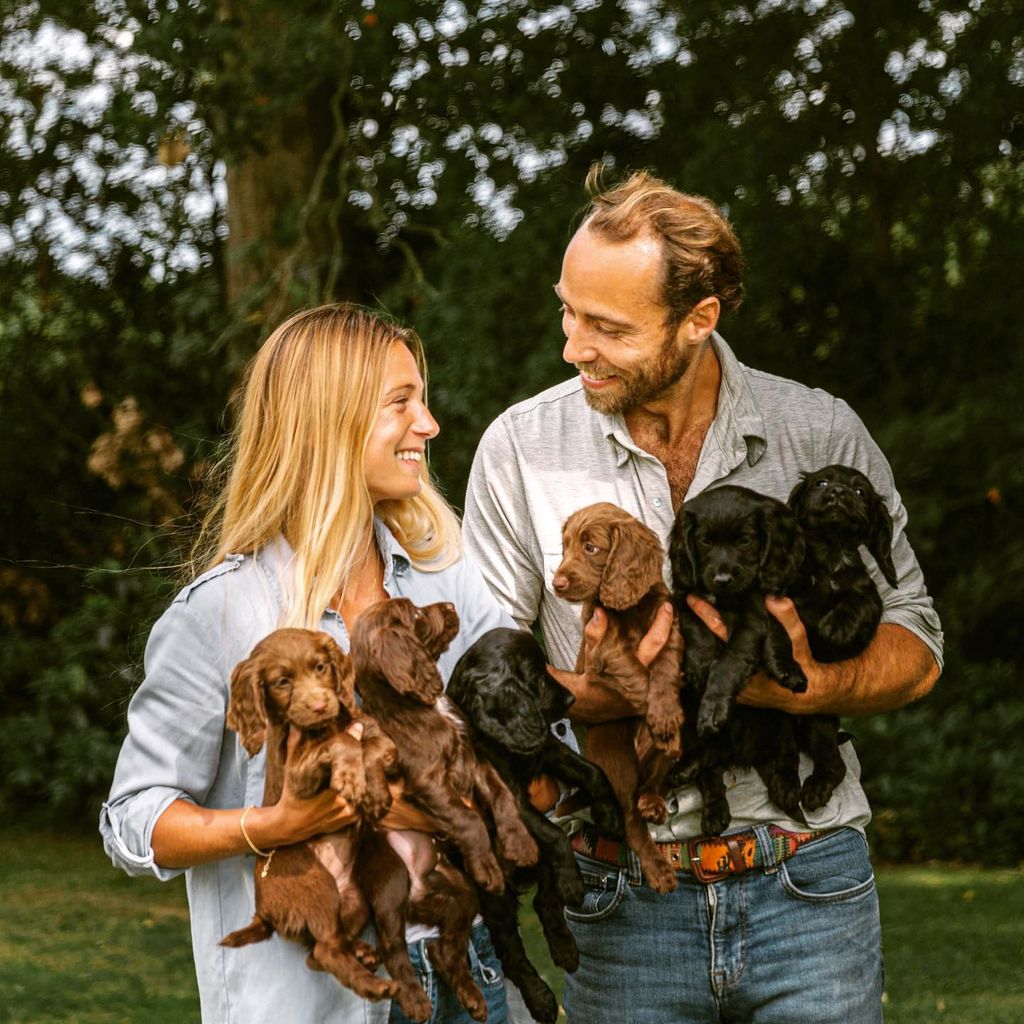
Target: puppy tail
[[257, 931]]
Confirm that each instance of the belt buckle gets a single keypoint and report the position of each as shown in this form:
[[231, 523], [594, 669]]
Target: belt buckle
[[696, 864]]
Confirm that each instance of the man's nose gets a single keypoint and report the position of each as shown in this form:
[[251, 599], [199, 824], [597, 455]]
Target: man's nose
[[578, 348]]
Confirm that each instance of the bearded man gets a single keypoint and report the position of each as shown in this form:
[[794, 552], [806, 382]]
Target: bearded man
[[661, 408]]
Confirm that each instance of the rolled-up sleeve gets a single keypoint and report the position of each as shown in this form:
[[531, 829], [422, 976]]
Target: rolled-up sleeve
[[173, 746], [908, 605]]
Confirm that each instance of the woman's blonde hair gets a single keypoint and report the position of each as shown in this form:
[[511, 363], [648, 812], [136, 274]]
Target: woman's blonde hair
[[295, 466]]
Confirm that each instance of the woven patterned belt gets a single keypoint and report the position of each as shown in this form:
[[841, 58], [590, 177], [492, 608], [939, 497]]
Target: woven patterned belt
[[710, 858]]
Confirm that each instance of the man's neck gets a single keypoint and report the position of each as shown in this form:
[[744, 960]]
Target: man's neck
[[686, 407]]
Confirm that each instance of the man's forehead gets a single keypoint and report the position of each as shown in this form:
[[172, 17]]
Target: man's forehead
[[609, 274]]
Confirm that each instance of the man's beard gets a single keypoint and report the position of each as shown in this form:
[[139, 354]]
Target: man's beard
[[637, 387]]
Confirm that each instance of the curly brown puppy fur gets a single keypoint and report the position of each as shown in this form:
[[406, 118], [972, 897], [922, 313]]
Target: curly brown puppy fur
[[610, 560], [320, 892], [394, 647]]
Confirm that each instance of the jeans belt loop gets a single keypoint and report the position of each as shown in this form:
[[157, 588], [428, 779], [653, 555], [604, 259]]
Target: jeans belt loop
[[764, 840]]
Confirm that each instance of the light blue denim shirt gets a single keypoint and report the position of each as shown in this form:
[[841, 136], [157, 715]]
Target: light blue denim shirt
[[178, 748]]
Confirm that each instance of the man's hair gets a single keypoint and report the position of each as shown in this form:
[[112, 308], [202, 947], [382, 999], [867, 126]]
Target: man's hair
[[295, 466], [702, 253]]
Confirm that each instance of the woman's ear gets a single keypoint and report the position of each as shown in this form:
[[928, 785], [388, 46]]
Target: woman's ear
[[247, 708]]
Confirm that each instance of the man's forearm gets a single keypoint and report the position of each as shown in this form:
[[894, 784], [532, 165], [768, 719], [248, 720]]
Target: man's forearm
[[895, 669]]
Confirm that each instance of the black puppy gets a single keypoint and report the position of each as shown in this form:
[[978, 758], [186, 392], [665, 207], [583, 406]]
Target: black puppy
[[838, 511], [732, 546], [502, 686]]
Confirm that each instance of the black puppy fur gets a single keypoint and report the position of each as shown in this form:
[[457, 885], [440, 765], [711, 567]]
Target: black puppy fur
[[732, 546], [502, 686], [838, 511]]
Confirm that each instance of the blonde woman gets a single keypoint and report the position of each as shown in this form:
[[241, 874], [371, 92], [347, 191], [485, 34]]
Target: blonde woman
[[328, 507]]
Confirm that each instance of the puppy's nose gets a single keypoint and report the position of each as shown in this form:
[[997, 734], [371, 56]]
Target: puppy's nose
[[318, 705], [722, 578], [559, 582]]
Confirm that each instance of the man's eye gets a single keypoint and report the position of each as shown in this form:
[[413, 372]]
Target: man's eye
[[609, 332]]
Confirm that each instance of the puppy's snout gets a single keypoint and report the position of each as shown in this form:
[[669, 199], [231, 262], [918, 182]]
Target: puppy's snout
[[722, 579], [560, 582]]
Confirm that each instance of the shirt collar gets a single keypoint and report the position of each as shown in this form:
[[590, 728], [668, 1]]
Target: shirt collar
[[738, 424]]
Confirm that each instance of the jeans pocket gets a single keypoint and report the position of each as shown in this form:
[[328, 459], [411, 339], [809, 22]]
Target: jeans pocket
[[484, 963], [830, 870], [602, 894]]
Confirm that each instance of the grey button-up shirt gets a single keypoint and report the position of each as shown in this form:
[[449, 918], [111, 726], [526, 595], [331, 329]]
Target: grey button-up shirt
[[550, 455], [178, 748]]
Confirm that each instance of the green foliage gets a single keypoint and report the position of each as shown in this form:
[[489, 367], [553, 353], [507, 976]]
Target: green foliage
[[429, 157]]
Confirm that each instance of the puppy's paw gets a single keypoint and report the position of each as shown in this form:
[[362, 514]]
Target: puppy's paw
[[658, 873], [565, 953], [665, 724], [519, 848], [792, 678], [366, 954], [349, 780], [817, 790], [376, 803], [608, 819], [715, 818], [652, 807], [486, 872], [714, 713], [414, 1002]]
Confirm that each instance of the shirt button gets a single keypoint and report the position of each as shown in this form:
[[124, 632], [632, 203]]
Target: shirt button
[[657, 503]]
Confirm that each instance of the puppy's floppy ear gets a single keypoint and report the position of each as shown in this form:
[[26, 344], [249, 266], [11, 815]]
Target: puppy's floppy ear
[[879, 541], [247, 708], [499, 707], [682, 551], [796, 496], [436, 626], [782, 548], [344, 674], [633, 566], [398, 655]]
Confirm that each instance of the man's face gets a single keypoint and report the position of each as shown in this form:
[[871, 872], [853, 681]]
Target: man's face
[[616, 329]]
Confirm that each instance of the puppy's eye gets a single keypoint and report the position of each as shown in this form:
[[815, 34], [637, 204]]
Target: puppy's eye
[[590, 549], [321, 667], [859, 491], [703, 542], [282, 683], [821, 483]]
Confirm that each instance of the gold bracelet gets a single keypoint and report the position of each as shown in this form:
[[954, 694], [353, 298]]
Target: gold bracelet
[[245, 835]]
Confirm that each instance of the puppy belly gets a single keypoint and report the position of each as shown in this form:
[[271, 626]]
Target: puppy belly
[[336, 853], [419, 855]]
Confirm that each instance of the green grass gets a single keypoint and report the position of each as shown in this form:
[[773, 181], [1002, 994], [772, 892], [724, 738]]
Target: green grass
[[82, 943]]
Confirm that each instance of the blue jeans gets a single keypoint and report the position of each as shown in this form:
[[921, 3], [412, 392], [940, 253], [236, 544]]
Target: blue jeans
[[486, 969], [796, 943]]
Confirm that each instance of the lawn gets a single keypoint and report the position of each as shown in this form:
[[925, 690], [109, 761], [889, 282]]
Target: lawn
[[83, 944]]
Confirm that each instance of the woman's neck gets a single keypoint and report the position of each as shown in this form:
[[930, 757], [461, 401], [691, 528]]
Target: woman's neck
[[364, 586]]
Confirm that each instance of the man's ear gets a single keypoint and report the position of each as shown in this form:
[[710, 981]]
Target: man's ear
[[698, 324]]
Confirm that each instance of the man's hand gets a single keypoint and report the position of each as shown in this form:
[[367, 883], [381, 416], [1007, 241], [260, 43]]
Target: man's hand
[[762, 691], [895, 668], [595, 703]]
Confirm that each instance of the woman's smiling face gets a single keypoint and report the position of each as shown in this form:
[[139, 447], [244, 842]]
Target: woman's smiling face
[[398, 440]]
